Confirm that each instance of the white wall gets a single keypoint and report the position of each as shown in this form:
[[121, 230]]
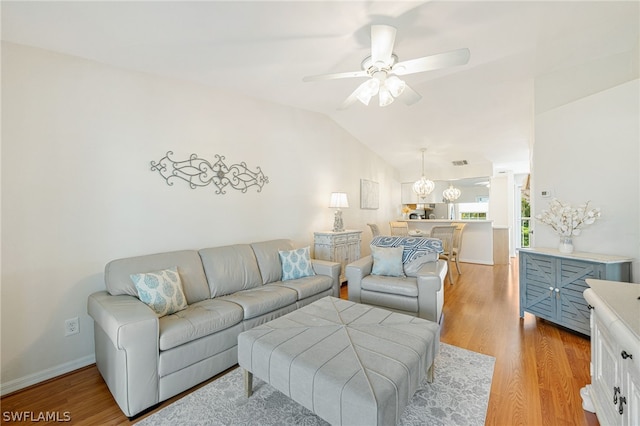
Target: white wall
[[77, 189], [588, 150]]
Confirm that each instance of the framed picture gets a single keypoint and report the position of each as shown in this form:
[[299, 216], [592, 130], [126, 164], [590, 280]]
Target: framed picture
[[369, 194]]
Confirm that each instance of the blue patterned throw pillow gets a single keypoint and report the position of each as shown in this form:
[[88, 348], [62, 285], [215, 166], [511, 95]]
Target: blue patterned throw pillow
[[161, 291], [296, 264], [417, 250], [387, 261]]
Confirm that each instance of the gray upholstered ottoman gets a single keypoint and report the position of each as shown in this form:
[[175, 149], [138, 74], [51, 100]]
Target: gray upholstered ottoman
[[348, 363]]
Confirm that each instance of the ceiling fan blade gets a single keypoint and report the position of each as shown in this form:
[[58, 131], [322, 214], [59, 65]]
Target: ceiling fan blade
[[409, 96], [382, 39], [433, 62], [336, 75]]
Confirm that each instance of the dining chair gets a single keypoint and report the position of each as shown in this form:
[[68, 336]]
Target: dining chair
[[445, 234], [457, 243], [375, 230], [399, 228]]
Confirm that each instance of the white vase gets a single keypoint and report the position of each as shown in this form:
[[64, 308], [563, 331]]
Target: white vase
[[566, 245]]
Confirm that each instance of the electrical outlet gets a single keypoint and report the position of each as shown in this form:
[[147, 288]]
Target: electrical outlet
[[71, 326]]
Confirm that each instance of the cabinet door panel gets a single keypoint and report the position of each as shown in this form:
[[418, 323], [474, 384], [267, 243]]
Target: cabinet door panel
[[632, 384], [606, 374], [538, 296], [573, 310]]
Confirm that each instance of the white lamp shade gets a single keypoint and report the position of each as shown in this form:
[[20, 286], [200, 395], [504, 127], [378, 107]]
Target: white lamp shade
[[338, 200]]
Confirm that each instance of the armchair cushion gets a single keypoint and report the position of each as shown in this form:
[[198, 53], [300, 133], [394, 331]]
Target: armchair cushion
[[387, 261]]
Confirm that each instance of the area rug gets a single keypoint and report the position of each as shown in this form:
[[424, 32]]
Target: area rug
[[458, 396]]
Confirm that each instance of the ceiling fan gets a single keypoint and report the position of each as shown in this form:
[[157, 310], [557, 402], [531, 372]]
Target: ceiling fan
[[382, 69]]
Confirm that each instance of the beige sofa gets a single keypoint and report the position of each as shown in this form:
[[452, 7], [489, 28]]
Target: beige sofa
[[145, 359], [418, 292]]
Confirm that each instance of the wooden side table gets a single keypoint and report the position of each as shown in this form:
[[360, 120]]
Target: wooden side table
[[342, 247]]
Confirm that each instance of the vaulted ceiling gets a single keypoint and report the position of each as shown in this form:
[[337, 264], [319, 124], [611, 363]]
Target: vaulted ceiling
[[481, 112]]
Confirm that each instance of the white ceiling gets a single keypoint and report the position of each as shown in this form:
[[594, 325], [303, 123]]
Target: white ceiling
[[481, 112]]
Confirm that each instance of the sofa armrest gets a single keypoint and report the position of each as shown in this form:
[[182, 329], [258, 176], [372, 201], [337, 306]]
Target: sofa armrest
[[331, 269], [430, 280], [355, 272], [126, 339], [121, 316]]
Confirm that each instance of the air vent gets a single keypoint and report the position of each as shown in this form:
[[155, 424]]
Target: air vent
[[460, 162]]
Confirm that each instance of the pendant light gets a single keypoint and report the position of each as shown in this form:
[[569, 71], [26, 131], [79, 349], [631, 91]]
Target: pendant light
[[423, 186]]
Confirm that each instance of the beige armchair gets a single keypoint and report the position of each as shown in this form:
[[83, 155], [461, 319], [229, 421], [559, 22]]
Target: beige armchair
[[420, 295]]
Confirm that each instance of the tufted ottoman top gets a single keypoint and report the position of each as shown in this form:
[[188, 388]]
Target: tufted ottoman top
[[349, 363]]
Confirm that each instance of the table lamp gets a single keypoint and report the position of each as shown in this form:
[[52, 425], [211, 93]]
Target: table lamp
[[338, 201]]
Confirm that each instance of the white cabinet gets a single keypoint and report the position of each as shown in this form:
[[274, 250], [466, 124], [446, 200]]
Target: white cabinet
[[614, 392], [342, 247]]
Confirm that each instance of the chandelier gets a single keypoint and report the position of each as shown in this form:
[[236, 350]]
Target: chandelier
[[423, 186], [451, 194]]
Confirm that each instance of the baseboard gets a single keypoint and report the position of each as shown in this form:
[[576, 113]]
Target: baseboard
[[49, 373]]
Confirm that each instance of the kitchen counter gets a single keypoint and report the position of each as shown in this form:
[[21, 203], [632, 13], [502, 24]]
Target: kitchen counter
[[477, 238]]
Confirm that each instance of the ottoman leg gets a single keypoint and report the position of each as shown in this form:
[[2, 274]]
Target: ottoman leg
[[248, 382], [430, 374]]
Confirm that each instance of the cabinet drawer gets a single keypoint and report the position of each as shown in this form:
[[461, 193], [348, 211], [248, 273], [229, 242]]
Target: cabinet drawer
[[354, 238], [340, 239]]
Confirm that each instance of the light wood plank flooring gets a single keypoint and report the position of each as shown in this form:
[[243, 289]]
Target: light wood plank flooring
[[539, 369]]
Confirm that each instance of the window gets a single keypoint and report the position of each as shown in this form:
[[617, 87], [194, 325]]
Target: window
[[473, 211], [473, 216]]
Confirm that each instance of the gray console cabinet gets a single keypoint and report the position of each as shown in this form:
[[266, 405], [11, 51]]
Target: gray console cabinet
[[552, 283]]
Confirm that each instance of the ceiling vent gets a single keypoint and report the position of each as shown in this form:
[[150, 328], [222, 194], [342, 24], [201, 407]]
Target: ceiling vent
[[460, 162]]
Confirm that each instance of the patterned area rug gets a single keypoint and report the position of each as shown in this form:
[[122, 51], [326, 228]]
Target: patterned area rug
[[458, 396]]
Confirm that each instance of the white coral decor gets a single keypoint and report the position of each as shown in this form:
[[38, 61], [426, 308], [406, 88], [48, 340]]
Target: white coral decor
[[567, 221]]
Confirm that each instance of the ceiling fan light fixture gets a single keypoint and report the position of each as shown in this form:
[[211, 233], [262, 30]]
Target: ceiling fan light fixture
[[385, 96], [395, 85], [367, 90]]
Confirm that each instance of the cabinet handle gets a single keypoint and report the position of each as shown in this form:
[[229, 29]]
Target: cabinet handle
[[590, 307], [626, 355], [623, 400], [616, 391], [550, 291]]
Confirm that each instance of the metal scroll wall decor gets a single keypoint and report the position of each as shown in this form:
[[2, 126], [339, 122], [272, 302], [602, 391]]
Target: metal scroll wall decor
[[199, 172]]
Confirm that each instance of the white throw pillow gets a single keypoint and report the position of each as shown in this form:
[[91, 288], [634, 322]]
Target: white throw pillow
[[296, 264], [387, 261], [161, 291]]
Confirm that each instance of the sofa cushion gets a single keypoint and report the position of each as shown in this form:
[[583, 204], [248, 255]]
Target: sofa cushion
[[266, 253], [404, 286], [307, 286], [296, 264], [262, 300], [230, 269], [416, 250], [198, 320], [387, 261], [117, 273], [161, 291]]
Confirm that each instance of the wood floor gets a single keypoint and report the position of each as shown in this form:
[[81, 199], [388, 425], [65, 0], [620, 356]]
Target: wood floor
[[538, 374]]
